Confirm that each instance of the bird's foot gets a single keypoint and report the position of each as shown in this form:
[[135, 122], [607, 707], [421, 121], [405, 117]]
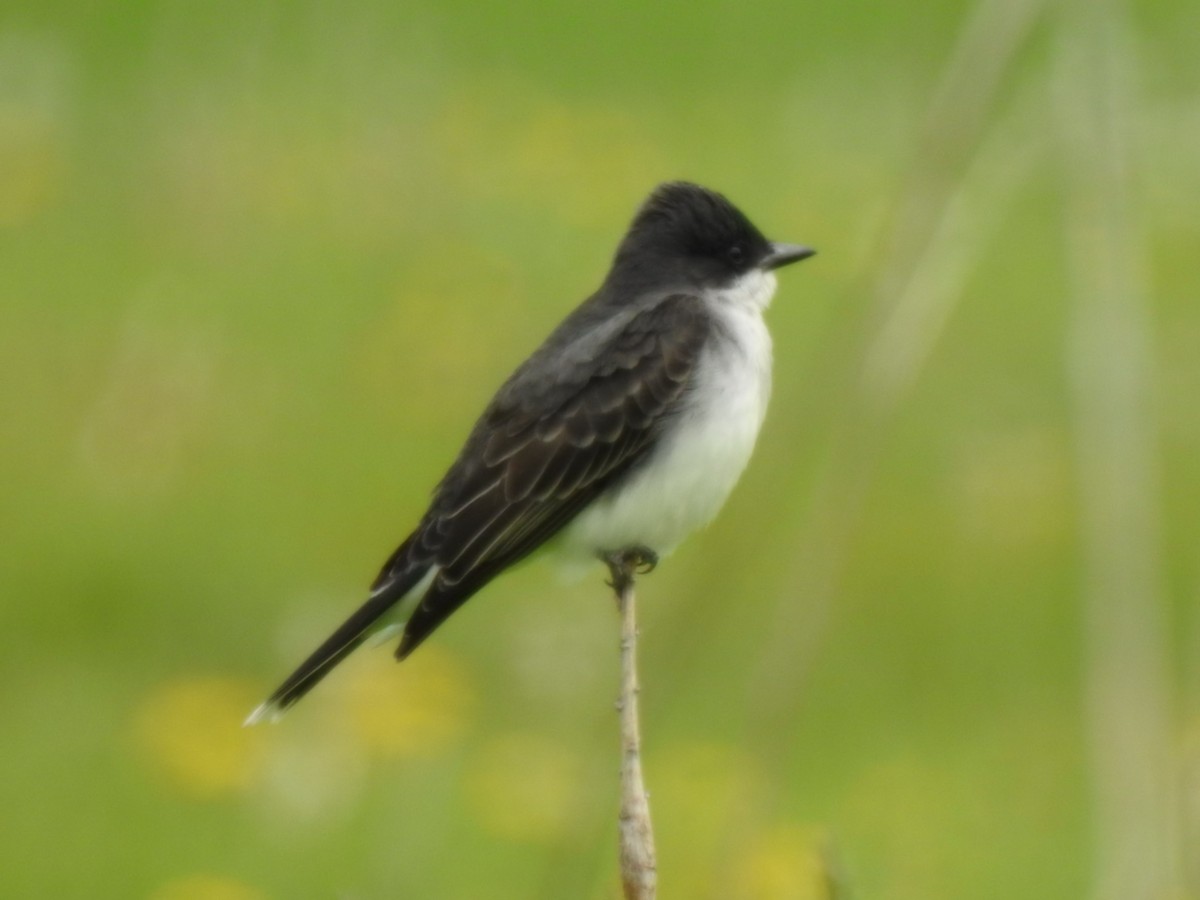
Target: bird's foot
[[643, 559], [626, 563]]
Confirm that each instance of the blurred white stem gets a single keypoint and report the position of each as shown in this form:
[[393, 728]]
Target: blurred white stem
[[1126, 679], [966, 170]]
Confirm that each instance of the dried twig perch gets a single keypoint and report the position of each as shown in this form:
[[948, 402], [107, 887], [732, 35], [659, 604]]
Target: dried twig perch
[[639, 871]]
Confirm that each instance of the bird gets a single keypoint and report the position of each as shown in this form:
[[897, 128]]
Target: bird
[[623, 432]]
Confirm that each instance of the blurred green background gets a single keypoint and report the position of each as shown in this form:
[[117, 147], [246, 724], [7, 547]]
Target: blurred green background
[[260, 267]]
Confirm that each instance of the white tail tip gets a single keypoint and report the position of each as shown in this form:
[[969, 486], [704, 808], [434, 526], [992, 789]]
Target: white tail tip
[[265, 712]]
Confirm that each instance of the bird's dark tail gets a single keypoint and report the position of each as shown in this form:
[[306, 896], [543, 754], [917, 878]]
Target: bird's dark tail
[[348, 637]]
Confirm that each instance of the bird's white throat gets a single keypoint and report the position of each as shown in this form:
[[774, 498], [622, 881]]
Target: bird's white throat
[[754, 290]]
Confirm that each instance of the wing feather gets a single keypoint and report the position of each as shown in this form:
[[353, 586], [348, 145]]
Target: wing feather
[[555, 436]]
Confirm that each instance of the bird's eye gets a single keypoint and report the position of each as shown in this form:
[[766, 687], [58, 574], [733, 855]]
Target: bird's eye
[[736, 254]]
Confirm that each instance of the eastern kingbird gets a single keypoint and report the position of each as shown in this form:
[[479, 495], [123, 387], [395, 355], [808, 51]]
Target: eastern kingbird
[[624, 431]]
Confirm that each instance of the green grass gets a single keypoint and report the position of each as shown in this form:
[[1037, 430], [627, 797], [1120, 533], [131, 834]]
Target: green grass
[[261, 268]]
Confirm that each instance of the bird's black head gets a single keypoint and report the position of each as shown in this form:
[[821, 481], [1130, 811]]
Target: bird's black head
[[688, 233]]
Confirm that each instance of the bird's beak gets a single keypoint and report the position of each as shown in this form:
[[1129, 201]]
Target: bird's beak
[[782, 254]]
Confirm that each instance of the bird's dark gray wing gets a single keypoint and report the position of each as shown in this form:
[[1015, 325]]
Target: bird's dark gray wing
[[559, 432]]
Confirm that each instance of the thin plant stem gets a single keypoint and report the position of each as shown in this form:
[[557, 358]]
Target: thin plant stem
[[639, 868], [969, 165], [1111, 358]]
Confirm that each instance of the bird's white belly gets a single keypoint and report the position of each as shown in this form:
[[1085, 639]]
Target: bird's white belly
[[692, 471]]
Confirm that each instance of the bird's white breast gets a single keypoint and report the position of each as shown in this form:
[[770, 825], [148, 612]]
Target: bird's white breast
[[702, 454]]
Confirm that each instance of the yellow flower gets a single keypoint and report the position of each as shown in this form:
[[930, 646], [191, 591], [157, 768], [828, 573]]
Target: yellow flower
[[410, 710], [191, 729], [206, 887], [786, 863], [523, 787]]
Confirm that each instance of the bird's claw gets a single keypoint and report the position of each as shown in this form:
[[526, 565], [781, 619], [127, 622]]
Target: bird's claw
[[644, 560], [625, 564]]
